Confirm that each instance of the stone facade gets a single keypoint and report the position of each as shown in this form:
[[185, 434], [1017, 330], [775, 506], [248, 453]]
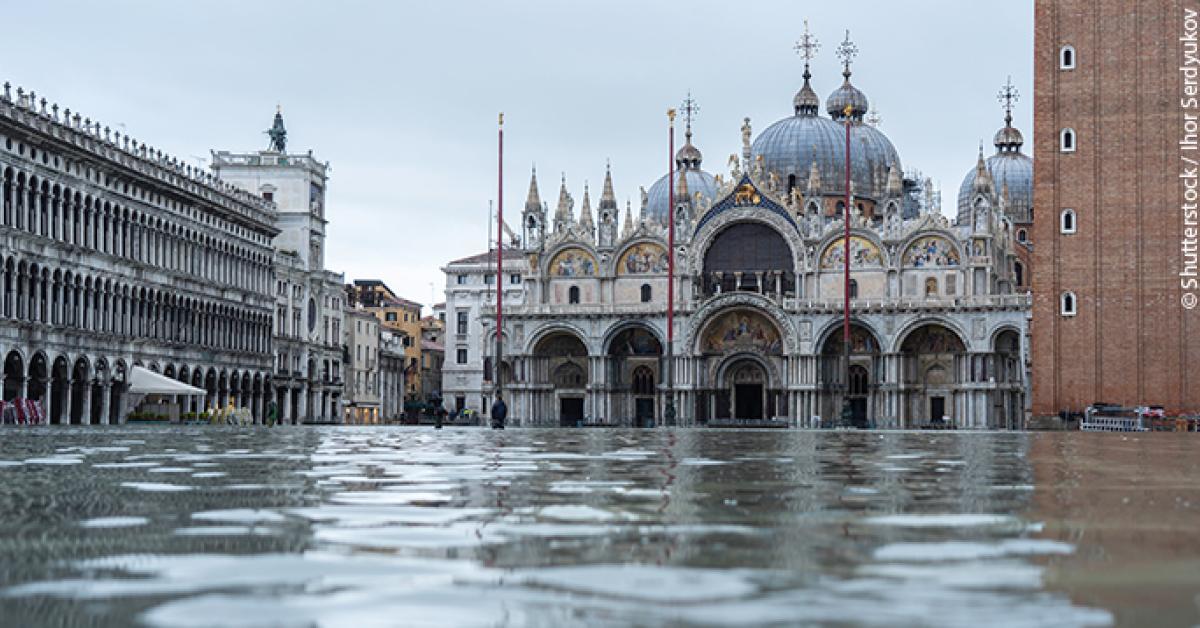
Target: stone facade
[[115, 255], [939, 324], [362, 367], [392, 363], [1108, 322], [469, 339], [308, 298]]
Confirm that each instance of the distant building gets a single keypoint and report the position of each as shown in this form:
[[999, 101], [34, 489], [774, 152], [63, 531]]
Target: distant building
[[308, 298], [362, 373], [1111, 232], [469, 343], [398, 315], [433, 354], [392, 365]]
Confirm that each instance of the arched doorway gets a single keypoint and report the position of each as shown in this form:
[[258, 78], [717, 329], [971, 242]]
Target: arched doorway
[[59, 397], [930, 383], [738, 350], [14, 375], [561, 366], [634, 358], [39, 380], [746, 383], [1008, 402], [80, 392], [856, 382]]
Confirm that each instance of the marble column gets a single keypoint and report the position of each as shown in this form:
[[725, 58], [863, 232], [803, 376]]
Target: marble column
[[105, 398]]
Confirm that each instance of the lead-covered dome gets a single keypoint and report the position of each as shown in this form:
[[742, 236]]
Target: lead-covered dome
[[791, 146], [1011, 172], [687, 163]]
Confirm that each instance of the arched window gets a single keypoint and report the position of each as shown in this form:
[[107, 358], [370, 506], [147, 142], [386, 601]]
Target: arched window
[[1066, 58], [1022, 235], [643, 381], [1019, 273], [1067, 141], [931, 287], [646, 293], [573, 295], [1067, 304], [853, 288], [1067, 223]]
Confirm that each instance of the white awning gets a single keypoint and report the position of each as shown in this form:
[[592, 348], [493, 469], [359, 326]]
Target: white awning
[[143, 381]]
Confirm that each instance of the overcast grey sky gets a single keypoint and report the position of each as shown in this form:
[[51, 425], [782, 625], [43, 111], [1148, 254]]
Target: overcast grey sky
[[401, 97]]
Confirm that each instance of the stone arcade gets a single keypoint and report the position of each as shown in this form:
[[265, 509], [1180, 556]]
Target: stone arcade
[[115, 255]]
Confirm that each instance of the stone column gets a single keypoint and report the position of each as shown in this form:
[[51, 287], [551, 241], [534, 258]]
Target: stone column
[[285, 410], [85, 417], [301, 405], [105, 397]]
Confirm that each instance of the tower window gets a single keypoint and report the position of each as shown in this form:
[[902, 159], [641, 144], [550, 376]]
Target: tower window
[[1066, 58], [1067, 141], [1022, 235], [1067, 222], [646, 293], [1067, 304], [573, 295]]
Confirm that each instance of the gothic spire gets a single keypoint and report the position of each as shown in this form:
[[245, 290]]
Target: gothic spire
[[562, 214], [585, 214], [608, 200], [533, 201], [627, 228], [983, 177]]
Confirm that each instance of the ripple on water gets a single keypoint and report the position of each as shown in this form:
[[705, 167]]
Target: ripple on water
[[114, 522]]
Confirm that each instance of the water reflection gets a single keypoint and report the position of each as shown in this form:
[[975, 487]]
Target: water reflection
[[387, 526]]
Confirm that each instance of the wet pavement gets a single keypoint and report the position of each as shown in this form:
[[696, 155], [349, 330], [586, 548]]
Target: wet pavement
[[205, 526]]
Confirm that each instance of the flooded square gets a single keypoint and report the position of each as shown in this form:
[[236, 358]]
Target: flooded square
[[468, 527]]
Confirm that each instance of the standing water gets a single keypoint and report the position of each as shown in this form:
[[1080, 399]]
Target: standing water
[[410, 527]]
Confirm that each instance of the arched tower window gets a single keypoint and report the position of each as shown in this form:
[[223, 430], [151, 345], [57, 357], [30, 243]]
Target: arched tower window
[[646, 293], [1067, 304], [1022, 235], [1067, 223], [1019, 273], [1067, 141], [573, 295], [1066, 58]]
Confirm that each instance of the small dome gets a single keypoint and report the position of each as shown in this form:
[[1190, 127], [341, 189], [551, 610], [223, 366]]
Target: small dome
[[1009, 139], [689, 156], [658, 199], [845, 95], [1011, 170], [806, 102]]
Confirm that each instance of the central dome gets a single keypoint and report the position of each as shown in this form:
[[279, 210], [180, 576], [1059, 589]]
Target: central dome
[[791, 146]]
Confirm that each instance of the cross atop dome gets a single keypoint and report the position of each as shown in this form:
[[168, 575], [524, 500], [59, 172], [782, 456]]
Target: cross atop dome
[[807, 46], [847, 52], [690, 110], [1008, 95]]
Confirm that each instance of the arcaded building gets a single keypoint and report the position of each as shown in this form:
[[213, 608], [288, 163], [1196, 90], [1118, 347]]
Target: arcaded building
[[1112, 255], [939, 323], [117, 255]]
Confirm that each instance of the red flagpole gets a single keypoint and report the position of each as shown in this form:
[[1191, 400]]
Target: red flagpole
[[670, 409], [846, 282], [500, 262]]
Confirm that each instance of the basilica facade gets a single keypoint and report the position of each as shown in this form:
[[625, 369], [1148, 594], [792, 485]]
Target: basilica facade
[[939, 318]]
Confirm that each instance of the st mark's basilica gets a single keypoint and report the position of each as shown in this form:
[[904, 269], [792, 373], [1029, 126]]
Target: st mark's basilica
[[940, 310]]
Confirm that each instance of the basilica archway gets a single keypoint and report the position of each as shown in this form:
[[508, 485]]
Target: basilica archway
[[858, 382], [14, 375], [931, 384], [561, 375], [634, 363], [739, 353]]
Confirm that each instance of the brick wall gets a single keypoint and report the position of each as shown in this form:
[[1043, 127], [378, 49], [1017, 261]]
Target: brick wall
[[1131, 342]]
